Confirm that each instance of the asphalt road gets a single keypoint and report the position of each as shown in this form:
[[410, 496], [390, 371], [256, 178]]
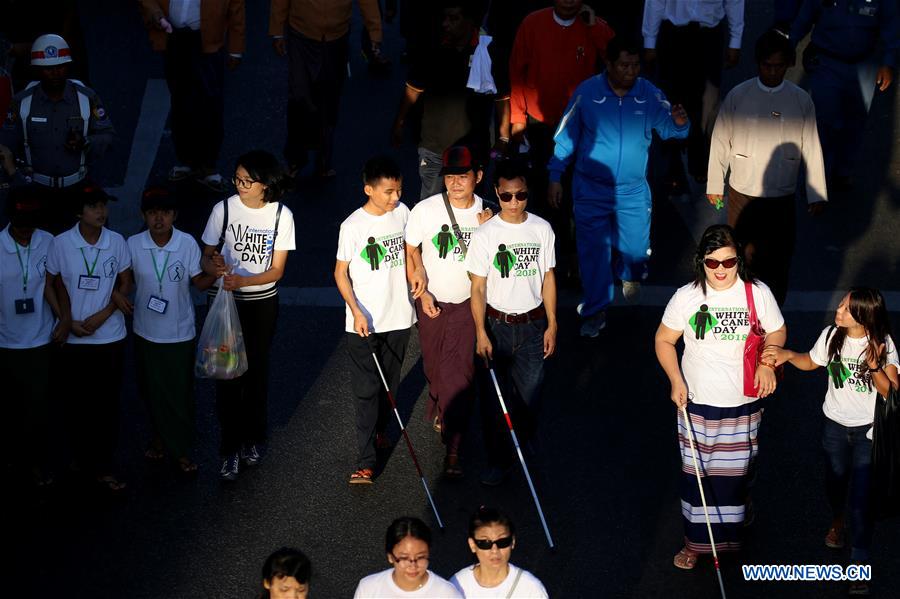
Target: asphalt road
[[608, 464]]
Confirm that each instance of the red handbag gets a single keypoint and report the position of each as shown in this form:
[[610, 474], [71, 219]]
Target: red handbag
[[753, 346]]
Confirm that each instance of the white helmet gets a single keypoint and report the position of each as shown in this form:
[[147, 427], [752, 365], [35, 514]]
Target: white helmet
[[50, 50]]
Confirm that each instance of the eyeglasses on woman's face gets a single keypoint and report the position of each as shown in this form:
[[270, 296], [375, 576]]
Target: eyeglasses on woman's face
[[410, 561], [242, 183]]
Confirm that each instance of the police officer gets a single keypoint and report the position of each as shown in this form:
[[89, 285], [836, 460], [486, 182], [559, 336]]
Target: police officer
[[58, 128], [845, 64]]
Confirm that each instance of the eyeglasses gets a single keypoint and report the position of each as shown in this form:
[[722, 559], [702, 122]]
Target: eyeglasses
[[519, 195], [412, 561], [243, 183], [714, 264], [486, 544]]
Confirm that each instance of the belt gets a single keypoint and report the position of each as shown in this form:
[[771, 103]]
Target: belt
[[536, 314], [48, 181], [855, 59]]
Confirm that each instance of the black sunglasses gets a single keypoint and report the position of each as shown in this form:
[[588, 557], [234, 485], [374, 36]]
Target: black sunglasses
[[519, 195], [486, 544], [714, 264]]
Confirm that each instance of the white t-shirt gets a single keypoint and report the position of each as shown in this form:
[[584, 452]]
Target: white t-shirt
[[22, 327], [514, 258], [375, 248], [382, 586], [176, 263], [850, 399], [76, 261], [528, 587], [430, 226], [713, 360], [248, 241]]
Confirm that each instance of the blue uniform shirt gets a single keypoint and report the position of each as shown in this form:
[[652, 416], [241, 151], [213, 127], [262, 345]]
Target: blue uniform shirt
[[850, 29], [608, 136]]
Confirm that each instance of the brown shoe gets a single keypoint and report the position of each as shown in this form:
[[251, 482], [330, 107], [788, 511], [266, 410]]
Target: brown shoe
[[834, 539]]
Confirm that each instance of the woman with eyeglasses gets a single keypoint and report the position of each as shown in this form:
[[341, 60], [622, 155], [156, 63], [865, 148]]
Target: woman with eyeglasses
[[492, 537], [247, 239], [712, 315], [407, 545]]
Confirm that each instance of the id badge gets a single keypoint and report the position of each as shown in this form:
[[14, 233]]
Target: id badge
[[89, 283], [25, 306], [157, 304]]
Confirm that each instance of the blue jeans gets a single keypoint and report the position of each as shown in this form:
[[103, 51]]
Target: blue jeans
[[848, 465], [519, 364]]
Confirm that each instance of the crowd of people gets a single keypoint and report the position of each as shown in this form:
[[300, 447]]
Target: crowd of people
[[555, 107]]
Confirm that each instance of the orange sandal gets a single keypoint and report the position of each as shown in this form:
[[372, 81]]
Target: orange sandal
[[363, 476]]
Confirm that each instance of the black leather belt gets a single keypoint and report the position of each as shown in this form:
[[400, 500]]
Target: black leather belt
[[536, 314]]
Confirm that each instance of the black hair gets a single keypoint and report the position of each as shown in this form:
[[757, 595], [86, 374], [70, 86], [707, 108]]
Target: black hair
[[380, 167], [867, 307], [622, 43], [157, 198], [510, 169], [715, 238], [774, 42], [284, 563], [23, 207], [406, 526], [263, 167], [469, 8], [91, 195], [485, 516]]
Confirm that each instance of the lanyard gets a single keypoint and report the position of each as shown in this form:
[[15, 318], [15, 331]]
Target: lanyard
[[23, 266], [159, 273], [90, 269]]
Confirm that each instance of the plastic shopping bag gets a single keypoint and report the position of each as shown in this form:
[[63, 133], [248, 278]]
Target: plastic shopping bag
[[220, 349], [886, 455]]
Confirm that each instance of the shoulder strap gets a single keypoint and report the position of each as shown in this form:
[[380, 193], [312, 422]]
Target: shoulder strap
[[275, 234], [454, 224], [748, 288], [515, 583], [224, 226]]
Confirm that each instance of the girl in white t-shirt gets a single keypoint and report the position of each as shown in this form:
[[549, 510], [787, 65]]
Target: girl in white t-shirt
[[492, 537], [407, 545], [861, 360], [285, 575]]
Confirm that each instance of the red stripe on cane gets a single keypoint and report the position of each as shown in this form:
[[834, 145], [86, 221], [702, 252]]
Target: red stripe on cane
[[508, 421]]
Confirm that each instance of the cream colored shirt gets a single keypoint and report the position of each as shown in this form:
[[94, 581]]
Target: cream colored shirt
[[761, 138]]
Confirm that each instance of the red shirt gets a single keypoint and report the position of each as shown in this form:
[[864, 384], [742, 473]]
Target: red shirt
[[549, 61]]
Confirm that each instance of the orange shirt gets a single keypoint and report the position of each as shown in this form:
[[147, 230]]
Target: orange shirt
[[549, 61]]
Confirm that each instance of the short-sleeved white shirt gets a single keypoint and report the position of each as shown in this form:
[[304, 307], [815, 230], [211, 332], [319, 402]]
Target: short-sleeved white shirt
[[382, 586], [68, 254], [248, 240], [177, 263], [429, 226], [713, 360], [850, 399], [23, 331], [375, 248], [528, 586], [515, 259]]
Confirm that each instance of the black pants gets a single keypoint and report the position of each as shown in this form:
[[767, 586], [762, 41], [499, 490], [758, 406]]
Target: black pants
[[196, 84], [242, 403], [92, 411], [316, 73], [766, 227], [690, 60], [372, 407]]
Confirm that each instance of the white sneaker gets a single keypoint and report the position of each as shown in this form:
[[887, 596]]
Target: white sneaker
[[179, 173], [631, 290]]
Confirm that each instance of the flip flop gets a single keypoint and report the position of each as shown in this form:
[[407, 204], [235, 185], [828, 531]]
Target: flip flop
[[110, 486], [154, 455], [187, 468]]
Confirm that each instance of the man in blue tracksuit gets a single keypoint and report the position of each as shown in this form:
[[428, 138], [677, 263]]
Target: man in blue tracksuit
[[606, 130], [845, 64]]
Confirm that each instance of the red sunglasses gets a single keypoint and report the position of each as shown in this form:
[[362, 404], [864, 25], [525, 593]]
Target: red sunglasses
[[714, 264]]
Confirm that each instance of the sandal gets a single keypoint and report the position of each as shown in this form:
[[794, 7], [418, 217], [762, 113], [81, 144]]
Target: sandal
[[154, 455], [685, 559], [436, 424], [110, 485], [834, 539], [187, 468], [362, 476], [452, 468]]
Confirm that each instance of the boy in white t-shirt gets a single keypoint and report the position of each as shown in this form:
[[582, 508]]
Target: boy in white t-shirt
[[371, 272], [511, 261]]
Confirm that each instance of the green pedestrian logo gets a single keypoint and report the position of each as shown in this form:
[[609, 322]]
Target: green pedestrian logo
[[702, 322], [444, 242], [839, 373], [504, 260], [373, 253]]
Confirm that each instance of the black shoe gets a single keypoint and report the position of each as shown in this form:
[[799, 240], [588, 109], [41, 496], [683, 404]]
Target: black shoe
[[493, 476], [250, 456]]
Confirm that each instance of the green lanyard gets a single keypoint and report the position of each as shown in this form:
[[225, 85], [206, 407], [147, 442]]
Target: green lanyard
[[90, 269], [159, 273], [23, 266]]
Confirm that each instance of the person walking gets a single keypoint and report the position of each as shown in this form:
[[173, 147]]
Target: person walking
[[165, 263], [861, 360], [709, 383], [247, 239]]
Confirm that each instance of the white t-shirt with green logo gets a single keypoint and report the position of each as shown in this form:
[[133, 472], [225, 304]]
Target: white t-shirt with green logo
[[715, 328], [430, 226], [850, 399], [375, 248], [514, 258]]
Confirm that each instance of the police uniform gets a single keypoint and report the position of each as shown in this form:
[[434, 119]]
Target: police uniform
[[842, 61]]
